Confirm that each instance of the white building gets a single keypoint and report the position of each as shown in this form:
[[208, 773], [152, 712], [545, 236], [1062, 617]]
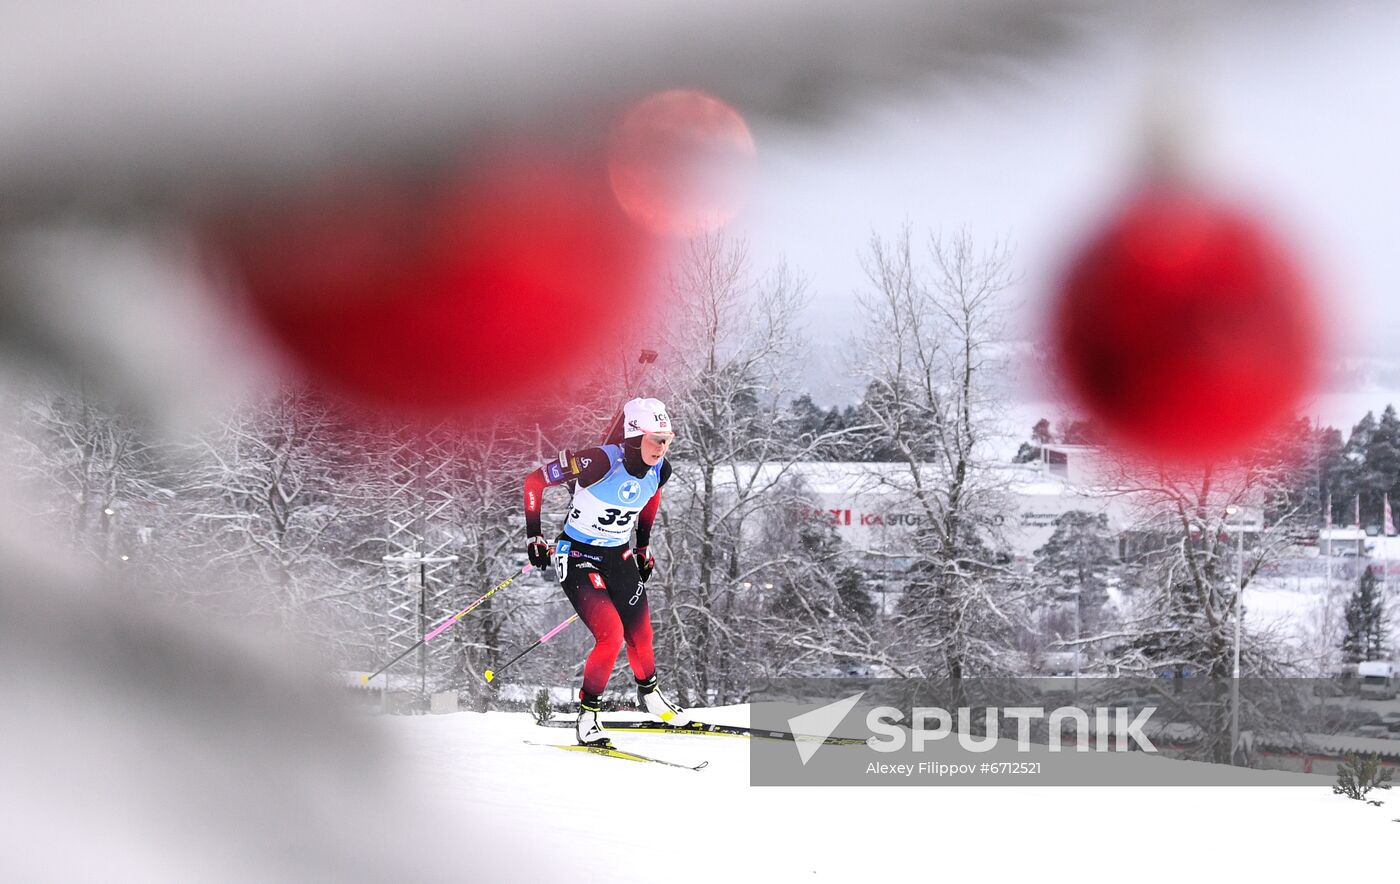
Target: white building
[[871, 508]]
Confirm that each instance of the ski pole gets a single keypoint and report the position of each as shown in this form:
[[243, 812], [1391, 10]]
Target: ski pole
[[492, 673], [448, 623]]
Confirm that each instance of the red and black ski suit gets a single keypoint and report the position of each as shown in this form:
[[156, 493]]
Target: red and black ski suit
[[603, 582]]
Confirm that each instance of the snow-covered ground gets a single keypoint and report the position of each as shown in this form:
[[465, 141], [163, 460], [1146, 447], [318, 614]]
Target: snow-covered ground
[[1304, 609], [529, 813]]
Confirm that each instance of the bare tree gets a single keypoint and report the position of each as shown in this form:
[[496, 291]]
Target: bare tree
[[730, 360], [820, 618], [1320, 635], [267, 499], [1196, 557], [490, 460], [929, 356], [95, 473]]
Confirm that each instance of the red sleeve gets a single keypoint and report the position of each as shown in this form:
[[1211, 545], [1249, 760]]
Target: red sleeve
[[534, 493], [644, 519], [584, 467]]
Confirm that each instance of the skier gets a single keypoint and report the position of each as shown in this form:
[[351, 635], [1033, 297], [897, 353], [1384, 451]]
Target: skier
[[616, 488]]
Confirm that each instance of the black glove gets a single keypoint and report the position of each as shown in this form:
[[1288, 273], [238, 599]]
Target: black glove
[[538, 551], [644, 562]]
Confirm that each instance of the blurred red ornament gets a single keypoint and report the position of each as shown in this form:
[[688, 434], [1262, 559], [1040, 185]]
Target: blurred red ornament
[[444, 295], [1185, 327], [681, 163]]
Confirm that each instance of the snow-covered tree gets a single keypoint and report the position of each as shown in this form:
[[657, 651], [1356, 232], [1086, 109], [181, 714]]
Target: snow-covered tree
[[820, 618], [1381, 466], [1351, 477], [1366, 632], [928, 355], [1074, 566], [1031, 451], [730, 362], [1320, 635], [265, 501], [94, 473], [490, 460], [1198, 541]]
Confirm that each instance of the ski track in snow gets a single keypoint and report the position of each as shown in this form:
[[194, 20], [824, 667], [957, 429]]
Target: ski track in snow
[[531, 813]]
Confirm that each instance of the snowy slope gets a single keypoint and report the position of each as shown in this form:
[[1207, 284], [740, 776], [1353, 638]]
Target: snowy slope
[[532, 814]]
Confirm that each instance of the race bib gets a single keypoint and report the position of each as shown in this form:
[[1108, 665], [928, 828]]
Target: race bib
[[561, 558], [600, 519]]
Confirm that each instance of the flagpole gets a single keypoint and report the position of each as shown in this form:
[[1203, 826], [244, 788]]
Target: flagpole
[[1386, 530], [1360, 549], [1327, 530]]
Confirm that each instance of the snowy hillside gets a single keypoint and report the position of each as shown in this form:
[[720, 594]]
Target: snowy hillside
[[531, 813]]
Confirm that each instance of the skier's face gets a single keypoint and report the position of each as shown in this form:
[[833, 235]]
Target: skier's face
[[654, 448]]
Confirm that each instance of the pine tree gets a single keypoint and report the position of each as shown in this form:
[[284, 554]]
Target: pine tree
[[1040, 433], [821, 619], [808, 421], [1076, 560], [543, 710], [1365, 637], [1357, 775], [829, 585], [1350, 474], [1029, 452], [851, 589], [1381, 461], [1081, 432]]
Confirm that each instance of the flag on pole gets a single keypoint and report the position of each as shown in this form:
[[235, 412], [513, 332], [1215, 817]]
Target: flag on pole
[[1389, 521], [1357, 523], [1328, 523]]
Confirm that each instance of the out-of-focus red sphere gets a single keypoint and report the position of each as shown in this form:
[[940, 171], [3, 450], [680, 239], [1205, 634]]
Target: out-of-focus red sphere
[[681, 163], [444, 295], [1185, 327]]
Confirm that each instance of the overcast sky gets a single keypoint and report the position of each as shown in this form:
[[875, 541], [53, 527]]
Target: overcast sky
[[1301, 114]]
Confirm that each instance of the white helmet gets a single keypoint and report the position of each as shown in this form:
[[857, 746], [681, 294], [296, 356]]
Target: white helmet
[[642, 417]]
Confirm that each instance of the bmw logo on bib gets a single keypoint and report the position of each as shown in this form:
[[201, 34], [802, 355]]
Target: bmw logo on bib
[[629, 491]]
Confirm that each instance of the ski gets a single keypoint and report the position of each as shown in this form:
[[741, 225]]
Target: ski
[[613, 752], [699, 727]]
